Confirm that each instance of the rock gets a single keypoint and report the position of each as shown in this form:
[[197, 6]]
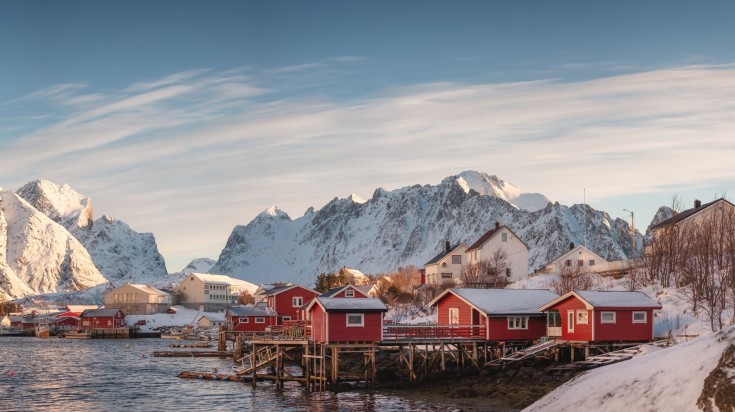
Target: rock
[[463, 393]]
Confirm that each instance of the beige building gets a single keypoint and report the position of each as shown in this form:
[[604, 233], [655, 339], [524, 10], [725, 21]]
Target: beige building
[[138, 299], [574, 259], [211, 293], [211, 321], [446, 267]]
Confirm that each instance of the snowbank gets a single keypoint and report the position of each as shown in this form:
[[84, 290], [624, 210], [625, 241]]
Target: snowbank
[[664, 380]]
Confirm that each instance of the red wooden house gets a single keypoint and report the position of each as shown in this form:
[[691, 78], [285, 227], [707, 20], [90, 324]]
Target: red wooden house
[[102, 319], [336, 320], [494, 314], [585, 316], [287, 300], [250, 318], [348, 291], [66, 323]]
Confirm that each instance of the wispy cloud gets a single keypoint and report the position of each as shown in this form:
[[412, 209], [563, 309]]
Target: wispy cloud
[[201, 151]]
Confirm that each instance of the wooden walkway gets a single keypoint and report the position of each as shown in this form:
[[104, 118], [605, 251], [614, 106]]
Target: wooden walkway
[[523, 354]]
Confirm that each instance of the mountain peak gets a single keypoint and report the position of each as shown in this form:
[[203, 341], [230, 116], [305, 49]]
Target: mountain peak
[[274, 212], [491, 185], [60, 203], [356, 199]]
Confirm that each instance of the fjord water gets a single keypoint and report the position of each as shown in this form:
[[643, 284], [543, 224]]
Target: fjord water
[[122, 375]]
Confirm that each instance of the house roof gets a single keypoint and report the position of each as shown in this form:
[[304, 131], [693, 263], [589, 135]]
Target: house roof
[[278, 289], [218, 317], [99, 313], [687, 213], [365, 289], [496, 302], [251, 310], [607, 299], [489, 234], [350, 304], [149, 289], [79, 308], [442, 254]]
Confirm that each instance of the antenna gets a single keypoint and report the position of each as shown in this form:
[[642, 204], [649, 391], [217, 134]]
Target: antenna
[[584, 226]]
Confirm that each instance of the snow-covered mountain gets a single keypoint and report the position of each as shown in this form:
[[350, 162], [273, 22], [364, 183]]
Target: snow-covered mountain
[[119, 252], [39, 255], [199, 265], [408, 226]]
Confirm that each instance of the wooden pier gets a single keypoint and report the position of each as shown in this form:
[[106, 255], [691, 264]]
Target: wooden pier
[[192, 354]]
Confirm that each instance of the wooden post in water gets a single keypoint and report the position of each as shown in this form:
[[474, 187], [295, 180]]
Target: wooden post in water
[[253, 361], [335, 367], [372, 367]]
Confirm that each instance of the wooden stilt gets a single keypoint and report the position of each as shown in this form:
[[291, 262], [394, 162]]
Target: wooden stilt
[[252, 359]]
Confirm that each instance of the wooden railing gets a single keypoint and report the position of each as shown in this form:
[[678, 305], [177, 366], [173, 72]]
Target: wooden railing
[[291, 330], [428, 332]]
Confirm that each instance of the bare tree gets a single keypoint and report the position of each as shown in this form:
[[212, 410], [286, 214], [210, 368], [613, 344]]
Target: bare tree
[[487, 273], [572, 278], [245, 298]]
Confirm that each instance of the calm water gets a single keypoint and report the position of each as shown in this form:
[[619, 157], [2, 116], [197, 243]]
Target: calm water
[[104, 375]]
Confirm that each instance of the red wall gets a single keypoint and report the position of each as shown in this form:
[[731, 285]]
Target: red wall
[[358, 294], [450, 300], [318, 324], [109, 322], [67, 321], [499, 329], [582, 333], [370, 332], [623, 328], [283, 305], [250, 325]]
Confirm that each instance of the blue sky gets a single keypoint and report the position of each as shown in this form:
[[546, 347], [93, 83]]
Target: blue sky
[[187, 118]]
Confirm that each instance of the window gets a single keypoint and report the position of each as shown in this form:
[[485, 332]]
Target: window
[[504, 237], [259, 320], [607, 317], [355, 320], [507, 272], [454, 316], [640, 317], [456, 259], [582, 317], [592, 262], [446, 277], [243, 319], [580, 262], [349, 293], [475, 255], [570, 321], [297, 301], [517, 322], [569, 262], [285, 318]]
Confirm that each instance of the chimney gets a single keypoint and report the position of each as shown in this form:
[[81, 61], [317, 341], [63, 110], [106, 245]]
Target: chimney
[[571, 245], [697, 203], [446, 246], [497, 225]]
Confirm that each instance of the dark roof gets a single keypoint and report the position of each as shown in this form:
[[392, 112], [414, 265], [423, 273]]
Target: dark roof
[[333, 291], [352, 305], [484, 238], [689, 212], [278, 289], [99, 313], [441, 255]]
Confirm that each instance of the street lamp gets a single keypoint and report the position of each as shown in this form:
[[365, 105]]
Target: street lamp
[[632, 223]]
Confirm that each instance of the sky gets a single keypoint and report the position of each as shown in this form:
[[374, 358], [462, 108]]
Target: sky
[[185, 118]]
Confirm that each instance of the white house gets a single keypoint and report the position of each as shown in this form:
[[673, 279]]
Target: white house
[[446, 266], [576, 258], [211, 320], [211, 293], [500, 240]]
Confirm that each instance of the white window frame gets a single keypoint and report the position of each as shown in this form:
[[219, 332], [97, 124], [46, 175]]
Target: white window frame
[[504, 237], [645, 316], [608, 321], [284, 318], [517, 322], [352, 324], [570, 321], [244, 319], [260, 320], [450, 313], [583, 320], [349, 293], [297, 301], [459, 258]]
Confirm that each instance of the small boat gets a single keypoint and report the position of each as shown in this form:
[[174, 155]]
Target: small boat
[[43, 331], [78, 334]]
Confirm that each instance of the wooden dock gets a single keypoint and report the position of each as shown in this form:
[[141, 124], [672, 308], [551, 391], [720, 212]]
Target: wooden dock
[[192, 354], [190, 345], [210, 376]]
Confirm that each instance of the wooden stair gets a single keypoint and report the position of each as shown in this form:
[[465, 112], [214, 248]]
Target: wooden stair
[[524, 354]]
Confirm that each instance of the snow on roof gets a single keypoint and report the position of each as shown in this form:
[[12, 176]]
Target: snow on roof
[[213, 317], [251, 310], [80, 308], [99, 313], [507, 301], [346, 304], [617, 299], [222, 279], [149, 290]]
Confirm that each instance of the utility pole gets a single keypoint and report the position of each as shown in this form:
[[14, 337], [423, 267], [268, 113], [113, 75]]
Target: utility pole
[[632, 223]]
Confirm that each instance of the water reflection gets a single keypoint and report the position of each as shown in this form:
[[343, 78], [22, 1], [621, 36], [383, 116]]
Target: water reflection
[[122, 375]]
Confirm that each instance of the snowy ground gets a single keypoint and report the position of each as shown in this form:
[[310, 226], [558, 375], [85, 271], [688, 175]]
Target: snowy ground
[[182, 317], [665, 380]]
